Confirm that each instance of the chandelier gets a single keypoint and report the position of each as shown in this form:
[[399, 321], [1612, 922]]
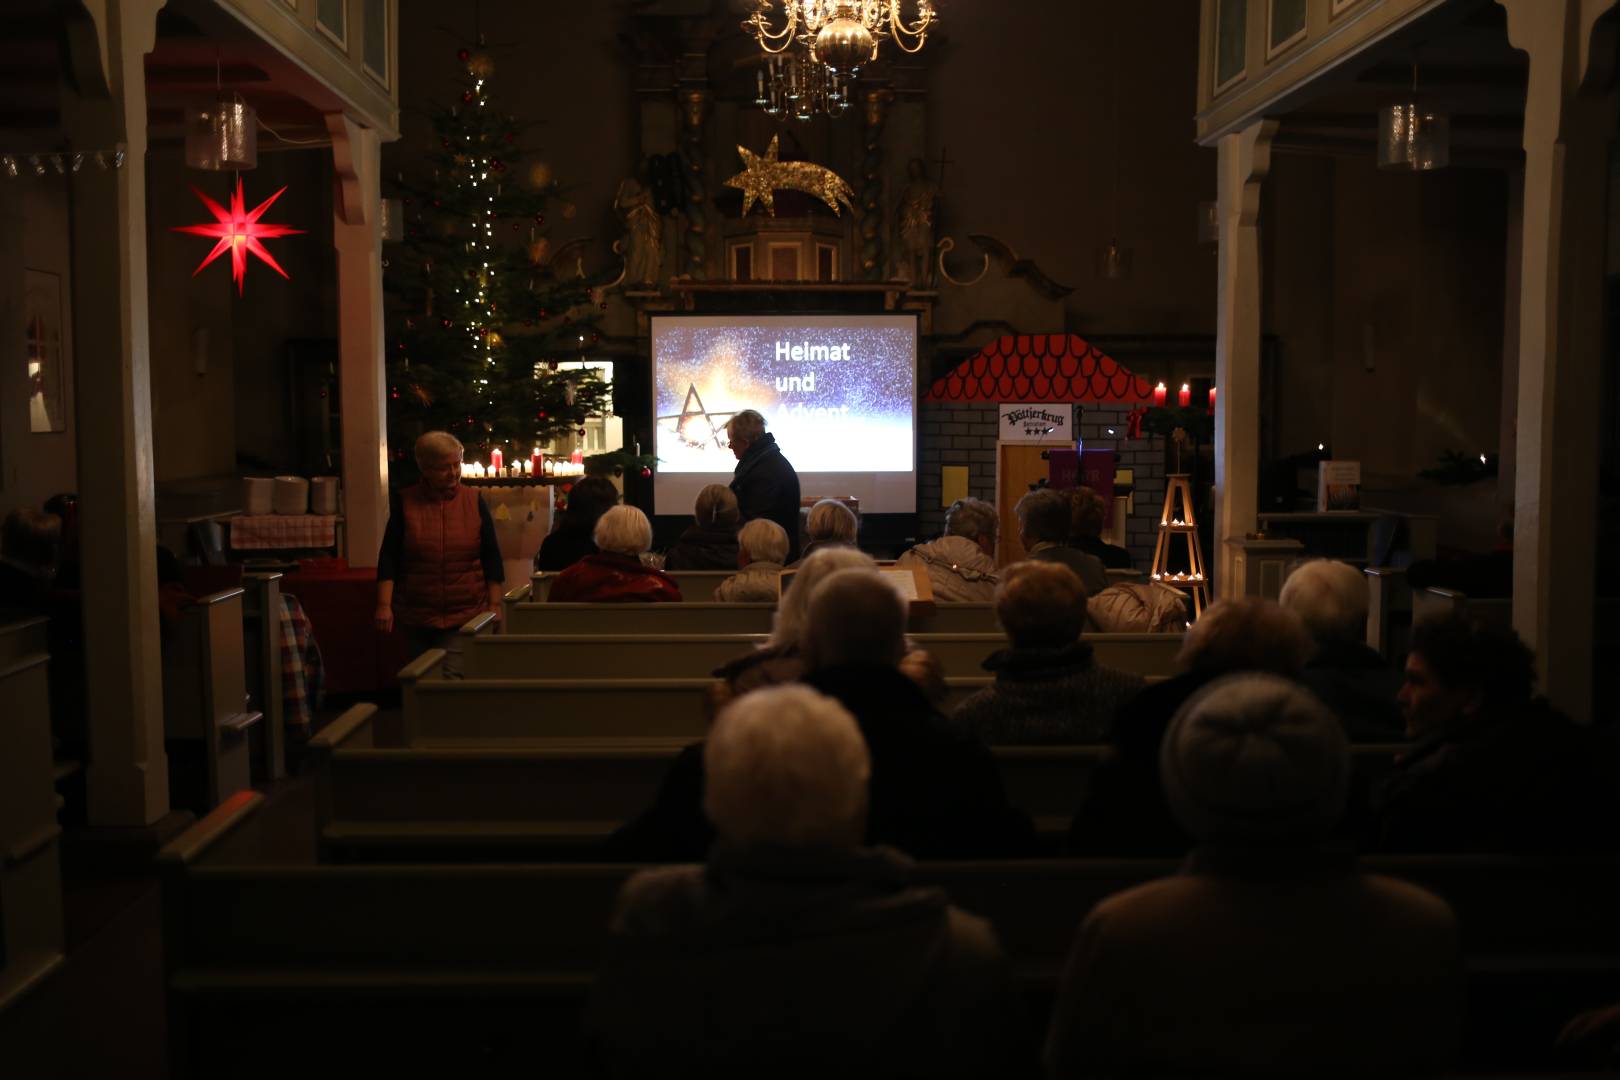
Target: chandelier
[[796, 87], [843, 34]]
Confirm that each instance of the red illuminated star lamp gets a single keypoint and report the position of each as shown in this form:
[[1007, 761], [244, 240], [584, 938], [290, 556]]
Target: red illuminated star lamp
[[238, 232]]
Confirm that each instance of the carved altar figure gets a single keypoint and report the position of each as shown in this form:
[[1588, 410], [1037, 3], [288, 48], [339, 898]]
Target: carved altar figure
[[919, 201], [643, 244]]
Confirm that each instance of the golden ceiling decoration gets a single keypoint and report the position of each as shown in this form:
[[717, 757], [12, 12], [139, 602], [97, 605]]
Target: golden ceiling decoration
[[761, 176]]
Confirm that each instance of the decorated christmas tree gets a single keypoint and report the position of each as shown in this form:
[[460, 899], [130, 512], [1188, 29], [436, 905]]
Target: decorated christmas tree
[[479, 318]]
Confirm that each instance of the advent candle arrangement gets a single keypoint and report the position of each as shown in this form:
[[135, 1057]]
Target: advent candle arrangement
[[1158, 396], [1184, 397]]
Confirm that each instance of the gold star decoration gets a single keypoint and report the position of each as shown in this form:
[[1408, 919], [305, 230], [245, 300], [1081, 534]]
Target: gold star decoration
[[761, 176], [696, 425]]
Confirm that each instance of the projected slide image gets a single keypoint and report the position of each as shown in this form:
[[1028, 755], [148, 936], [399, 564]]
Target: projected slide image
[[836, 392]]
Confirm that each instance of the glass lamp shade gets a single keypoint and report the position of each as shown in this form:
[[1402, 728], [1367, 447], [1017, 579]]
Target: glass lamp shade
[[1412, 137], [223, 135], [844, 44]]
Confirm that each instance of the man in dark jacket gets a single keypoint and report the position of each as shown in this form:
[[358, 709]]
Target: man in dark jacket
[[795, 951], [1494, 769], [765, 484], [934, 793]]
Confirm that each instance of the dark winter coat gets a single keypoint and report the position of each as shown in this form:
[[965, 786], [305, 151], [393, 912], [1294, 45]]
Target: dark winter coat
[[1112, 556], [767, 487], [704, 547], [1520, 779], [1088, 568], [934, 793], [564, 548], [1359, 686], [1046, 696], [801, 964]]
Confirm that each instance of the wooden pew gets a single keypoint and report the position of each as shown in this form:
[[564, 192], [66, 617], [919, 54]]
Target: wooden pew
[[454, 953], [1389, 612], [441, 711], [697, 586], [1437, 603], [261, 646], [694, 618], [31, 937], [488, 655], [205, 691]]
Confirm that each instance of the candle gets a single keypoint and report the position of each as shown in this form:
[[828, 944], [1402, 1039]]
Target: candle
[[577, 457], [1212, 401], [1158, 395], [496, 457], [536, 461], [1184, 398]]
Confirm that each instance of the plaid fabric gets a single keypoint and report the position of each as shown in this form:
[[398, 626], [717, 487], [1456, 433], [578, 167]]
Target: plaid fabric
[[283, 531], [302, 674]]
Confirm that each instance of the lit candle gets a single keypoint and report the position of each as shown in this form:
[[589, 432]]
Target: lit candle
[[577, 457], [1184, 398], [495, 459], [536, 462], [1212, 401], [1158, 396]]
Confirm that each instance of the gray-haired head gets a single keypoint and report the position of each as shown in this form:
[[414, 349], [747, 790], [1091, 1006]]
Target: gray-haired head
[[435, 446], [764, 541], [974, 519], [747, 426], [795, 603], [855, 619], [716, 507], [831, 522], [1331, 597], [623, 530], [786, 767]]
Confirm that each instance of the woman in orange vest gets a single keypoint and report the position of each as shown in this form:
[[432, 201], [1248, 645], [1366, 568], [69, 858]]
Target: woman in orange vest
[[440, 563]]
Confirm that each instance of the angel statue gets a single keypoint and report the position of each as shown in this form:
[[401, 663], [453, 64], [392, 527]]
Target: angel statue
[[919, 200], [643, 243]]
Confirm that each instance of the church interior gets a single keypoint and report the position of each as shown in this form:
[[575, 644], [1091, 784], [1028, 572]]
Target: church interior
[[385, 369]]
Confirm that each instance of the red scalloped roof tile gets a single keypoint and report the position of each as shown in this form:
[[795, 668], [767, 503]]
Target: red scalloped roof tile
[[1045, 367]]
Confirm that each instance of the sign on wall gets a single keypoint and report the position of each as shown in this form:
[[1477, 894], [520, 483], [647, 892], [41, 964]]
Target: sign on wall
[[1036, 422]]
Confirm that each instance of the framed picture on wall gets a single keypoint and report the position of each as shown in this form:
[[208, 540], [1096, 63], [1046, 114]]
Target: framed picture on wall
[[44, 352], [1285, 25], [1231, 42]]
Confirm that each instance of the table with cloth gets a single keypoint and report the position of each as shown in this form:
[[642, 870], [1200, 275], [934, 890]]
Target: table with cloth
[[285, 532]]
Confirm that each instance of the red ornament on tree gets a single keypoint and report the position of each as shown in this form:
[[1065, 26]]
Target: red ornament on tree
[[467, 96], [645, 472], [463, 55], [497, 164], [582, 433], [445, 323], [539, 219]]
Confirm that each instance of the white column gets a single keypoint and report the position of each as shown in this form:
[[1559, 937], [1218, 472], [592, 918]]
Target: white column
[[356, 153], [128, 776], [1569, 124], [1243, 159]]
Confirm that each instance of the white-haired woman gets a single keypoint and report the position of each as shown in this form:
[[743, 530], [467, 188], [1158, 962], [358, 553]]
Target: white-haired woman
[[778, 661], [710, 542], [829, 524], [440, 562], [615, 574], [761, 548]]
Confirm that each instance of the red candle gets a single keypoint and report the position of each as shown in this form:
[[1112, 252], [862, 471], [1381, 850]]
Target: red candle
[[1212, 401], [536, 461], [1158, 396], [495, 461], [1184, 398]]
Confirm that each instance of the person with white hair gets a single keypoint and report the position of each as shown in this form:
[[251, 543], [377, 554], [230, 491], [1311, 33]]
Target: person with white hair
[[761, 548], [961, 565], [440, 562], [764, 482], [710, 542], [829, 523], [934, 792], [616, 574], [1356, 683], [1269, 953], [795, 950]]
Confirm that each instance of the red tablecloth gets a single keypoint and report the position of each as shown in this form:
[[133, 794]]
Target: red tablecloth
[[340, 605]]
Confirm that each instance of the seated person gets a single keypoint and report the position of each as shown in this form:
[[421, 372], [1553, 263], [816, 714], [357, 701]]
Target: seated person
[[710, 542], [1352, 679], [829, 524], [961, 565], [1087, 514], [615, 574], [571, 538], [1269, 953], [933, 794], [761, 547], [795, 950], [1047, 689], [778, 660], [1043, 529], [1495, 769], [1123, 811]]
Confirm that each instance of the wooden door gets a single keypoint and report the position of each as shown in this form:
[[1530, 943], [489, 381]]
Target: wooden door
[[1017, 467]]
